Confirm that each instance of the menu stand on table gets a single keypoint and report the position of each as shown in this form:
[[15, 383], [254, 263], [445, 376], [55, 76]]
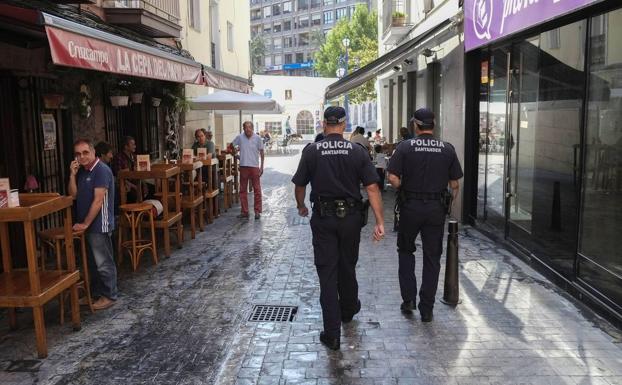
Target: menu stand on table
[[171, 215], [211, 190], [31, 287], [192, 198]]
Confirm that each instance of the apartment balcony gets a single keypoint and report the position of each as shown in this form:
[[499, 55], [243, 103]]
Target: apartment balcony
[[395, 21], [154, 18]]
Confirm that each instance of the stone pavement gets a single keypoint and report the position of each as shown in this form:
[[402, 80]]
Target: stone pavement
[[184, 321]]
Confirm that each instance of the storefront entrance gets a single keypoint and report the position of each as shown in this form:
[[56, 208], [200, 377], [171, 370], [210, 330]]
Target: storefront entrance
[[549, 169]]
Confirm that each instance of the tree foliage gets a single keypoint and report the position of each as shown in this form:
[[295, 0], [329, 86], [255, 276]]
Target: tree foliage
[[362, 30], [257, 52]]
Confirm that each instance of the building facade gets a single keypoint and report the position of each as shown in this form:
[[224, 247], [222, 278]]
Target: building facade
[[544, 138], [99, 70], [290, 31], [219, 23], [530, 95], [302, 101]]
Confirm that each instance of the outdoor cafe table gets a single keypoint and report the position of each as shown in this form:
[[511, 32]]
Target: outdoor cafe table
[[171, 200], [31, 287]]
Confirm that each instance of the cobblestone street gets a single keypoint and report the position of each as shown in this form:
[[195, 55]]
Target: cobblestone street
[[184, 321]]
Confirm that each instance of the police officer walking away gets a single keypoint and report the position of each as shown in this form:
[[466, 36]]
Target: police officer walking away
[[335, 167], [422, 168]]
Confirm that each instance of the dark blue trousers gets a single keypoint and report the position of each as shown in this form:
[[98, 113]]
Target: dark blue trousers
[[336, 252], [428, 218]]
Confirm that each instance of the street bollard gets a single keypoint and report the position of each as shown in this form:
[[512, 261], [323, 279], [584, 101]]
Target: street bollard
[[451, 295]]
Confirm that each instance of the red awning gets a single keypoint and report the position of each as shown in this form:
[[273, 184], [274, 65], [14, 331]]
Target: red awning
[[76, 45]]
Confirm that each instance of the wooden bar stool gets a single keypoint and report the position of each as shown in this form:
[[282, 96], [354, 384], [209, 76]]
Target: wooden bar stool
[[54, 238], [192, 197], [134, 214]]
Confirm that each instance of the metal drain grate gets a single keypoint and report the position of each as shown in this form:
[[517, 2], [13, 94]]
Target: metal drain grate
[[268, 313]]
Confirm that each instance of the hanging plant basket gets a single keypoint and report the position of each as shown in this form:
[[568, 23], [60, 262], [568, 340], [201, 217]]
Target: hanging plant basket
[[155, 102], [53, 101], [119, 101], [136, 97]]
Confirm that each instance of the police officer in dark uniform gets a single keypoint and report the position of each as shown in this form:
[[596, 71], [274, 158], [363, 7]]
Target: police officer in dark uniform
[[422, 168], [336, 167]]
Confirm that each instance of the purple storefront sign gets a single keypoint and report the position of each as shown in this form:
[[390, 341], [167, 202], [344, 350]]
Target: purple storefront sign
[[488, 20]]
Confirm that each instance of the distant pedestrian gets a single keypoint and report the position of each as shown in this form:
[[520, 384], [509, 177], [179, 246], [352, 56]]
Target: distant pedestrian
[[91, 184], [335, 168], [251, 153], [422, 168], [360, 138]]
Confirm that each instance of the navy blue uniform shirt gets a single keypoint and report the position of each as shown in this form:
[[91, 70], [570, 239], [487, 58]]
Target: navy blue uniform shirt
[[335, 167], [425, 164]]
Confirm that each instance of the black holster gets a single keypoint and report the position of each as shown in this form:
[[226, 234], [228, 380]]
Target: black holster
[[446, 200], [365, 212]]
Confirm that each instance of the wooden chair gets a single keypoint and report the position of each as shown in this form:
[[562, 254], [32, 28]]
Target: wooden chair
[[192, 197], [53, 239], [211, 190], [134, 214], [226, 178]]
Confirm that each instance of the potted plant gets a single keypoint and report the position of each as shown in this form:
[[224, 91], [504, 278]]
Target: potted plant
[[118, 97], [398, 18], [137, 89]]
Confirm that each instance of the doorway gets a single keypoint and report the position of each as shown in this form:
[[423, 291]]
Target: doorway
[[531, 109]]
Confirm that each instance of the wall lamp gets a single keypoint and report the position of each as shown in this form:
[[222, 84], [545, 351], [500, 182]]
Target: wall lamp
[[408, 62], [397, 68], [427, 52]]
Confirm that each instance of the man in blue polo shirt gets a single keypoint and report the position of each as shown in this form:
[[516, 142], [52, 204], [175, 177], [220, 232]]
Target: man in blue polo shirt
[[92, 185]]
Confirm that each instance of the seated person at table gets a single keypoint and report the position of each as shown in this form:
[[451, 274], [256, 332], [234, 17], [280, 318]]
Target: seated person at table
[[103, 150], [204, 140], [126, 160]]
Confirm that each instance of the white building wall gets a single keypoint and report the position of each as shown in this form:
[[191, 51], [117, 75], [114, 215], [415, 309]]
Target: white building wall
[[307, 94]]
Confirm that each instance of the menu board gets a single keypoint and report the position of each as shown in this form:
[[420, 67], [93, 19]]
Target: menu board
[[186, 157], [143, 163], [5, 191], [202, 153]]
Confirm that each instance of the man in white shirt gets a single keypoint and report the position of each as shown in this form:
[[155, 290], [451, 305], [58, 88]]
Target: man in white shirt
[[251, 151]]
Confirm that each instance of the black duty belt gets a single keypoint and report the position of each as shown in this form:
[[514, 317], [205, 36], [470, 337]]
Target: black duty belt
[[423, 196], [339, 207]]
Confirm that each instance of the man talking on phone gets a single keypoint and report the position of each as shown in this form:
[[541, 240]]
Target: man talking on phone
[[91, 184]]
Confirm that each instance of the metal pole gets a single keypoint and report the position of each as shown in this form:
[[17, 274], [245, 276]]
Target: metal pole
[[452, 285], [346, 99], [240, 121]]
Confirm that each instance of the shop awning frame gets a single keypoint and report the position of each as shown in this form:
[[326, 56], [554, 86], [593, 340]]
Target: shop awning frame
[[380, 65], [207, 76], [72, 26]]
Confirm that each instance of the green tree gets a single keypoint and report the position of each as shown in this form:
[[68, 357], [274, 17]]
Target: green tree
[[362, 30], [257, 53]]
